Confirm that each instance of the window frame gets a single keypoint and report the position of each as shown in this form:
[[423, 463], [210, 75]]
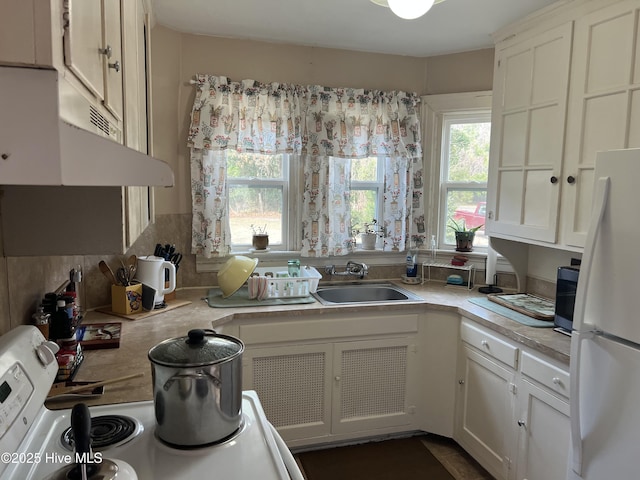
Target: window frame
[[445, 186], [289, 199], [435, 109], [376, 186]]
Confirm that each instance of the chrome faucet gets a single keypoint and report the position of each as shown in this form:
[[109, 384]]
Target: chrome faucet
[[352, 269]]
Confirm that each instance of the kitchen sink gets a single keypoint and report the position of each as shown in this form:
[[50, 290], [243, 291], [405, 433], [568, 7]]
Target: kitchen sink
[[364, 293]]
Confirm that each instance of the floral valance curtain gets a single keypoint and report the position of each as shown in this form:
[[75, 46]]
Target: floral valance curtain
[[319, 124], [279, 118]]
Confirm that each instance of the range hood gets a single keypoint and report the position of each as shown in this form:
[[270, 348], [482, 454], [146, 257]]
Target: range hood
[[40, 147]]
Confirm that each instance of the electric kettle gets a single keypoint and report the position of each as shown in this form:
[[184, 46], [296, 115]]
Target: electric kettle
[[157, 273]]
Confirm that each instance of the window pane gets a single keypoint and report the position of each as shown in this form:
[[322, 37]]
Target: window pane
[[260, 206], [252, 165], [469, 152], [363, 207], [364, 169], [468, 207]]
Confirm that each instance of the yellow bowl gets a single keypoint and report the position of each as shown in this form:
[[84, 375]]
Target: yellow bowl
[[234, 273]]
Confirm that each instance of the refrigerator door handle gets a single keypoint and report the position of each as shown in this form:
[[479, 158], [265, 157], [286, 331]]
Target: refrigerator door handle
[[600, 202], [574, 400], [583, 331]]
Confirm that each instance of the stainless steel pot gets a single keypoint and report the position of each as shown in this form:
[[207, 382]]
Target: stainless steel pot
[[197, 388]]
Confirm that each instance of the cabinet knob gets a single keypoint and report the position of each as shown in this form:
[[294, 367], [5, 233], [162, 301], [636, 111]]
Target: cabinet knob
[[556, 381], [484, 343], [107, 51], [5, 156], [460, 382], [571, 179], [338, 378], [522, 423], [115, 65], [554, 179]]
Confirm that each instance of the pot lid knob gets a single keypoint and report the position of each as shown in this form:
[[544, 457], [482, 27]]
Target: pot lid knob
[[196, 336]]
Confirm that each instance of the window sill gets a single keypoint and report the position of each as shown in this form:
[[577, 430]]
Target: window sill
[[370, 257]]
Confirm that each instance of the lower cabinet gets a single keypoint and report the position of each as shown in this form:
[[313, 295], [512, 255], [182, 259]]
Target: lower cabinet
[[542, 419], [317, 390], [512, 410]]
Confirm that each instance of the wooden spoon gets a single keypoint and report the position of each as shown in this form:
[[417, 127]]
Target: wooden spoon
[[91, 386], [106, 270]]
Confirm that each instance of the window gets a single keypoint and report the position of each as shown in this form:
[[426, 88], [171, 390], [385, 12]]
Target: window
[[262, 195], [457, 158], [464, 171], [259, 198], [367, 184]]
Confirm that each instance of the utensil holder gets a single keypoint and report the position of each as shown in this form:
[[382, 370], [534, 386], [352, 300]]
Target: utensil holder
[[126, 300]]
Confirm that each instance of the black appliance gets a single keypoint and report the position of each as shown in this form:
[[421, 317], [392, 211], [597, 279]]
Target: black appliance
[[566, 286]]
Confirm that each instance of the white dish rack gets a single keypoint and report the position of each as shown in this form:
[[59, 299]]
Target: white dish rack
[[289, 287]]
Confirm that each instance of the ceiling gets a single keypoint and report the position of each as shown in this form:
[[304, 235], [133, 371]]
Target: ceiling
[[449, 27]]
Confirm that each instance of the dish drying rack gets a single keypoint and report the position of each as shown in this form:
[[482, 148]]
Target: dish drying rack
[[470, 269], [289, 287]]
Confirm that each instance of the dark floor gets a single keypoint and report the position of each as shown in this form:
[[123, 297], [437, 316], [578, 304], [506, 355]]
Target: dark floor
[[457, 462]]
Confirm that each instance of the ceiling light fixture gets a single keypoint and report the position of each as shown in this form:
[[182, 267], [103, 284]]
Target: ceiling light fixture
[[408, 9]]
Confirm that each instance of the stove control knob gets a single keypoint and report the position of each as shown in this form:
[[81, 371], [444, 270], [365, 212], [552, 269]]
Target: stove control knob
[[46, 352]]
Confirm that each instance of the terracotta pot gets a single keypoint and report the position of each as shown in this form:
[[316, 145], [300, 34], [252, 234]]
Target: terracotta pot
[[260, 241]]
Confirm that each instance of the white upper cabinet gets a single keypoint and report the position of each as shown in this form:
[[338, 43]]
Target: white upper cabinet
[[93, 49], [529, 104], [604, 107], [566, 85]]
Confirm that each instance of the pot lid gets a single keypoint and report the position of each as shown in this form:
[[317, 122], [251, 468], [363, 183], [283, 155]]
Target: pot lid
[[199, 347]]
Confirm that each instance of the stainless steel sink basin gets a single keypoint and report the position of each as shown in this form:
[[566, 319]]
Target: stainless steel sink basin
[[364, 293]]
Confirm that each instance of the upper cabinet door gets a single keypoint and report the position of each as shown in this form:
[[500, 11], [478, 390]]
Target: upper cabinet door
[[83, 44], [528, 129], [604, 108], [93, 49], [113, 64]]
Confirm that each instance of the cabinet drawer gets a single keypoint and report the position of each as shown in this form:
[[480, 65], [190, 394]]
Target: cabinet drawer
[[489, 344], [543, 372]]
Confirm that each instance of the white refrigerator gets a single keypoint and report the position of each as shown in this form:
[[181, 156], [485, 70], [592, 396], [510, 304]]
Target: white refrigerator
[[605, 345]]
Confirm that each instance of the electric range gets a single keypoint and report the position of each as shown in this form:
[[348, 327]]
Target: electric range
[[33, 439]]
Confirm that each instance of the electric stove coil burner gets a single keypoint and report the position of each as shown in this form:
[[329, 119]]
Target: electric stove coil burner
[[106, 431]]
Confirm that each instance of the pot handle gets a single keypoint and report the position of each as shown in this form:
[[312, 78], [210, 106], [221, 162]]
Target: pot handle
[[196, 375]]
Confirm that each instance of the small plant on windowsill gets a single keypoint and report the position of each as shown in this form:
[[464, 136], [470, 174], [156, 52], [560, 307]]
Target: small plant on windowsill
[[260, 239], [464, 235], [370, 233]]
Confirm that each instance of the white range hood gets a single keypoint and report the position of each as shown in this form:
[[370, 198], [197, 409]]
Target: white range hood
[[38, 147]]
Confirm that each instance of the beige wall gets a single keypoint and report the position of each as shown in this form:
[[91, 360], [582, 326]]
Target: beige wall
[[177, 57]]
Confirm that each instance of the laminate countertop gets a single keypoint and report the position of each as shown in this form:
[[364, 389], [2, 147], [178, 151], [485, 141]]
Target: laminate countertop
[[138, 336]]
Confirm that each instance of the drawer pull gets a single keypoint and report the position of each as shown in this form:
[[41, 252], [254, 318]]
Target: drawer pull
[[522, 423], [556, 381], [484, 343], [461, 382]]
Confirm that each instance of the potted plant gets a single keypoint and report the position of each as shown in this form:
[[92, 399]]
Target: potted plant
[[260, 239], [370, 234], [464, 235]]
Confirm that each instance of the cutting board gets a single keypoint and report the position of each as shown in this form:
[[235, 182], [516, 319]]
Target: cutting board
[[171, 304], [527, 304]]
